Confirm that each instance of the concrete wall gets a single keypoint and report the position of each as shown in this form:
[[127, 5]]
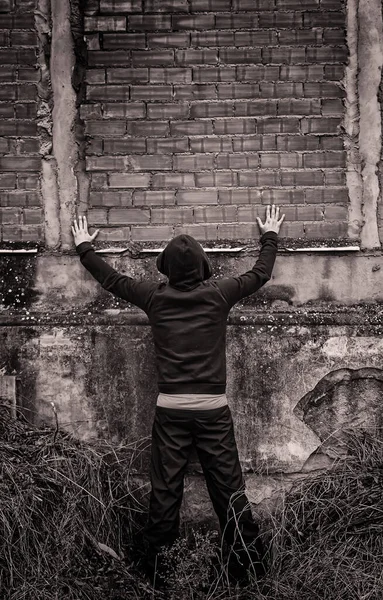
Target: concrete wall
[[304, 355]]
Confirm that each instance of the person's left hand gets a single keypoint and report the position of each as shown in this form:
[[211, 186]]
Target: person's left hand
[[80, 231]]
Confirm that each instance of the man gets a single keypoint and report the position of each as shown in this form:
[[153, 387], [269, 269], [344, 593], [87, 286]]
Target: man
[[188, 315]]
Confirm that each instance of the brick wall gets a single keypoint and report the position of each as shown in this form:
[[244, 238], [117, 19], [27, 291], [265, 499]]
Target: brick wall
[[20, 164], [200, 112]]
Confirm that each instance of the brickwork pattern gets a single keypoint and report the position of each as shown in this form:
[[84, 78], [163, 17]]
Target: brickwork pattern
[[20, 164], [200, 112]]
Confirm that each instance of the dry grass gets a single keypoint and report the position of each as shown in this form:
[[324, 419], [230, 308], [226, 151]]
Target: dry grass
[[69, 515]]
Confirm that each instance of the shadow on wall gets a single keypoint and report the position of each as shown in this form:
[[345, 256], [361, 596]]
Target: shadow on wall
[[344, 399]]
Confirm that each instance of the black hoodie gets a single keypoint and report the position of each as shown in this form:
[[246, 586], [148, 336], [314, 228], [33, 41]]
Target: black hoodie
[[187, 314]]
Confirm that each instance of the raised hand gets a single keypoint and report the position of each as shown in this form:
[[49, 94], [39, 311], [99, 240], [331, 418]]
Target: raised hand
[[80, 231], [272, 222]]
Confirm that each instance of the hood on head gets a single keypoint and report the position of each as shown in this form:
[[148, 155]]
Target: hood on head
[[184, 262]]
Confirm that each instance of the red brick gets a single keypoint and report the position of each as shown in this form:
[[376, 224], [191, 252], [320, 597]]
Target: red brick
[[18, 128], [216, 179], [105, 163], [92, 41], [153, 198], [114, 41], [321, 125], [280, 20], [250, 213], [196, 162], [90, 111], [324, 19], [297, 4], [168, 111], [322, 90], [325, 195], [332, 4], [105, 128], [97, 216], [8, 57], [255, 108], [6, 111], [151, 92], [281, 161], [27, 92], [211, 144], [131, 110], [110, 58], [240, 196], [10, 216], [180, 128], [335, 178], [128, 216], [26, 111], [148, 128], [127, 75], [94, 76], [199, 232], [124, 145], [336, 213], [105, 198], [29, 146], [8, 92], [24, 38], [194, 57], [282, 196], [258, 73], [166, 6], [327, 54], [29, 75], [7, 146], [26, 57], [326, 230], [149, 162], [238, 90], [237, 161], [212, 109], [334, 36], [194, 92], [129, 180], [98, 181], [236, 21], [257, 37], [152, 234], [120, 6], [255, 142], [294, 143], [209, 5], [212, 38], [105, 24], [170, 75], [299, 107], [19, 21], [114, 234], [20, 163], [305, 213], [324, 160], [253, 5], [279, 125], [4, 38], [215, 214], [298, 73], [152, 57], [233, 126], [281, 90], [193, 22], [104, 93], [209, 74], [292, 230], [334, 72], [259, 178], [332, 107], [186, 197], [8, 75], [27, 181], [331, 142], [167, 145], [303, 178], [173, 180], [168, 40], [149, 22], [236, 56], [11, 233], [290, 37], [171, 216], [94, 146], [290, 56], [238, 231]]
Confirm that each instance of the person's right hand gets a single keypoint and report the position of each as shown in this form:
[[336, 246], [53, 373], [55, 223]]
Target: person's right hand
[[80, 231], [272, 222]]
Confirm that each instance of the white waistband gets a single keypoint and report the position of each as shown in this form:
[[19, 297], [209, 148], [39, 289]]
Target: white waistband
[[192, 401]]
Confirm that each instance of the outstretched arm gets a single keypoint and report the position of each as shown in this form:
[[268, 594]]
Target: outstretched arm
[[131, 290], [234, 289]]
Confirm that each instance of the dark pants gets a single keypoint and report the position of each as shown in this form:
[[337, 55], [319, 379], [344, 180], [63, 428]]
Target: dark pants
[[211, 432]]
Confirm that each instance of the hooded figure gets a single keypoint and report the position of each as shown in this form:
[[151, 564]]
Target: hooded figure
[[188, 315]]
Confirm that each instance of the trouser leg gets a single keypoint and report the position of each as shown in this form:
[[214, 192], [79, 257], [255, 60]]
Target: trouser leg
[[171, 444], [218, 454]]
